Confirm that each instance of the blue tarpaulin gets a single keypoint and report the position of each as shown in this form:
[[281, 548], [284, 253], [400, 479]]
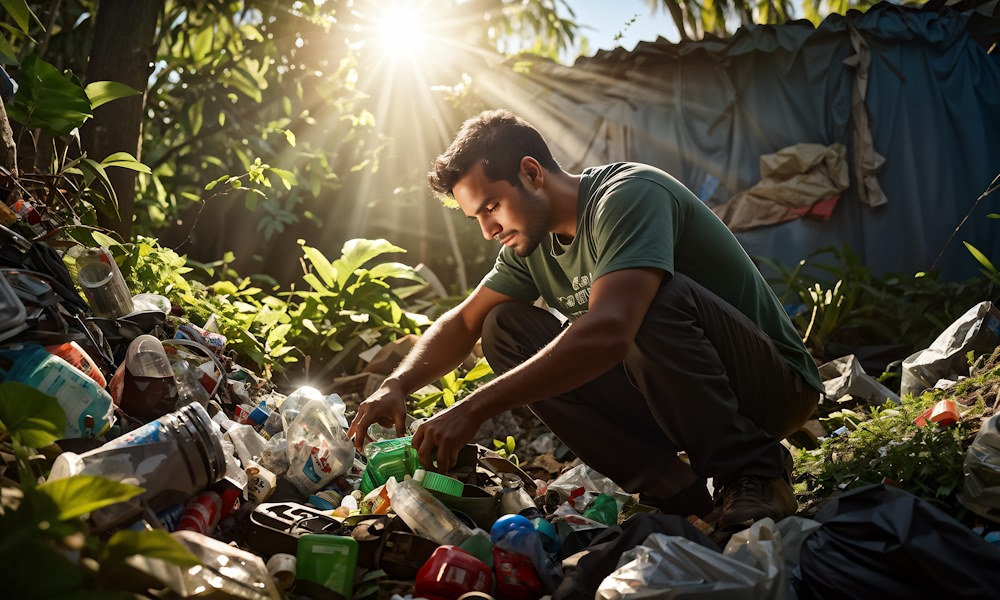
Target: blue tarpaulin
[[705, 111]]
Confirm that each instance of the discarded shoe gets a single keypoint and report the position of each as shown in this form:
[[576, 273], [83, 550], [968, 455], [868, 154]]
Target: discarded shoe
[[750, 499]]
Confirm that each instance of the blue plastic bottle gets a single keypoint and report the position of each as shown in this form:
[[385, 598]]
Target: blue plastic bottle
[[516, 534]]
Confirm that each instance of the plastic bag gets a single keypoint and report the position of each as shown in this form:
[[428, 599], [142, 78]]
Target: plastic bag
[[318, 448], [883, 542], [845, 375], [978, 329], [981, 488], [590, 480], [753, 565]]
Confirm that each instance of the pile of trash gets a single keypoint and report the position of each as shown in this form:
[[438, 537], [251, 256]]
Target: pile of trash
[[267, 492]]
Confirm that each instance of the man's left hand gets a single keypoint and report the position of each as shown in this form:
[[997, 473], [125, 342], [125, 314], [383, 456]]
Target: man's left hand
[[444, 435]]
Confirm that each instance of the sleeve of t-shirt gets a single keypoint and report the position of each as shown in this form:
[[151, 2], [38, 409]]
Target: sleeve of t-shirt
[[635, 225], [510, 277]]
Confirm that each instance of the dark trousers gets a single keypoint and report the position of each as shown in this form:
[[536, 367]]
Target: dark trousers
[[700, 377]]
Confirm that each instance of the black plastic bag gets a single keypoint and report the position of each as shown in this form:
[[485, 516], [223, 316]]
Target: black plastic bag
[[883, 542]]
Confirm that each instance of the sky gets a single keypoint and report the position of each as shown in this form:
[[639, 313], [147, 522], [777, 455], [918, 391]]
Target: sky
[[602, 20]]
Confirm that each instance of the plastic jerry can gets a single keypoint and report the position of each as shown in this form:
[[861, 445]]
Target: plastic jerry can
[[451, 572], [328, 560]]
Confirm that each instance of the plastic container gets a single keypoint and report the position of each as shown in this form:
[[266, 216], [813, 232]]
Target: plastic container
[[516, 534], [451, 572], [318, 448], [189, 388], [72, 353], [173, 458], [425, 515], [77, 394], [397, 458], [148, 388], [328, 560], [516, 577], [103, 284]]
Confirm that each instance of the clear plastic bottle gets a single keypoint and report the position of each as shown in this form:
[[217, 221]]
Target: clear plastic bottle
[[425, 514], [102, 283], [189, 388]]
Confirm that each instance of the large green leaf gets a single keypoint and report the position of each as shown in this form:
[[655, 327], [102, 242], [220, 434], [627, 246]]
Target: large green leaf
[[981, 258], [80, 494], [32, 418], [125, 161], [394, 269], [152, 544], [7, 54], [47, 99], [95, 170], [357, 252], [102, 92], [18, 9]]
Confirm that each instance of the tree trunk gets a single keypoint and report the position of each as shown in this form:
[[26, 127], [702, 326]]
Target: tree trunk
[[8, 158], [678, 16], [123, 51]]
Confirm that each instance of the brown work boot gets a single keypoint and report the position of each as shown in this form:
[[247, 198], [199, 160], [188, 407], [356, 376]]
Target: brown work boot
[[749, 499]]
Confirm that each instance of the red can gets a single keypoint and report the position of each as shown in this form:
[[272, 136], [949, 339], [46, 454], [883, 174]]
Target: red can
[[201, 514], [516, 576], [451, 572]]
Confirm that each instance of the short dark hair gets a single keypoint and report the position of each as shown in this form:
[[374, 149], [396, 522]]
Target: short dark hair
[[500, 139]]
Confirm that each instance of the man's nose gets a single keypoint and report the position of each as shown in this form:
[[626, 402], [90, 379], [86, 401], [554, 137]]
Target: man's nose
[[490, 227]]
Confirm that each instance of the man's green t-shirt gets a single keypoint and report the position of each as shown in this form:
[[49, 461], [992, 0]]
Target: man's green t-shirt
[[630, 216]]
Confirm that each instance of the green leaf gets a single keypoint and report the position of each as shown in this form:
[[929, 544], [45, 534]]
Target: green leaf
[[357, 252], [80, 494], [287, 177], [30, 417], [979, 256], [212, 184], [47, 99], [125, 161], [394, 269], [195, 115], [101, 92], [18, 9], [322, 265], [202, 44], [7, 55], [290, 136], [104, 240], [482, 369], [151, 544], [448, 398], [94, 170]]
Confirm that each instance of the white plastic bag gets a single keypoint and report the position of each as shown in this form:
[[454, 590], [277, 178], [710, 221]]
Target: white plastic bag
[[981, 489], [753, 565], [318, 448]]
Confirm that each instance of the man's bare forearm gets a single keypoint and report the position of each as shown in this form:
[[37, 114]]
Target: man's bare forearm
[[440, 349]]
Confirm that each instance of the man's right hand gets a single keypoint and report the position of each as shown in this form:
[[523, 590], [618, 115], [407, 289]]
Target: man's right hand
[[387, 406]]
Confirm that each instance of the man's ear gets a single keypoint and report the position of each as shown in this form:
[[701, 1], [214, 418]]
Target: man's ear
[[533, 172]]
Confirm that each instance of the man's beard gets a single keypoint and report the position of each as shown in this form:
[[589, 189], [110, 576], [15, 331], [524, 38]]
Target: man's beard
[[536, 222]]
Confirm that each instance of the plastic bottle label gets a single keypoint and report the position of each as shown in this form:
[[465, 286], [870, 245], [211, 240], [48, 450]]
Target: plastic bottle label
[[73, 397], [150, 433]]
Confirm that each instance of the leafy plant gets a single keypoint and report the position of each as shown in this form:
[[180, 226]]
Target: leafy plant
[[453, 388], [348, 302], [45, 544], [839, 304], [506, 449]]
